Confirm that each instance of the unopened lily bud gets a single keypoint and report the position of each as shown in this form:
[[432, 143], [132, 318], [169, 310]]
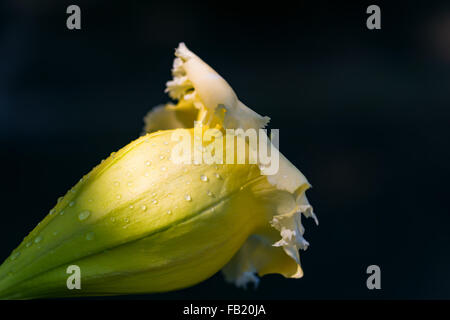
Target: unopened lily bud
[[143, 221]]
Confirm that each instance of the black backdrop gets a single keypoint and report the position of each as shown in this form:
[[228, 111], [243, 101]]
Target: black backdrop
[[363, 114]]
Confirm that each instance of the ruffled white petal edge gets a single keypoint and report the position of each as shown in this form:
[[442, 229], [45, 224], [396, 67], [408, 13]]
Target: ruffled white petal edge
[[195, 81]]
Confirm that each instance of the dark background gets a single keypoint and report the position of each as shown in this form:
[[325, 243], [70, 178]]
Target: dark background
[[364, 114]]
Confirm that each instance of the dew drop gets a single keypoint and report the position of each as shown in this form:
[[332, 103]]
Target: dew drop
[[210, 194], [155, 201], [187, 197], [154, 194], [38, 239], [148, 163], [61, 213], [83, 215], [131, 207], [72, 203], [15, 255], [52, 211], [28, 244], [90, 236], [126, 220], [144, 208], [218, 176], [169, 212], [161, 157], [204, 178]]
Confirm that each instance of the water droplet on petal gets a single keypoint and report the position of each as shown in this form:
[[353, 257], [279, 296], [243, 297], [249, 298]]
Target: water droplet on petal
[[83, 215], [72, 203], [28, 244], [148, 163], [61, 213], [90, 236], [169, 212], [144, 208], [187, 197], [161, 157], [15, 255], [218, 176], [210, 194], [38, 239], [204, 178], [155, 201]]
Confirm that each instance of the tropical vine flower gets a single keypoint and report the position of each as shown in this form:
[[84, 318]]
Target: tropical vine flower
[[141, 222]]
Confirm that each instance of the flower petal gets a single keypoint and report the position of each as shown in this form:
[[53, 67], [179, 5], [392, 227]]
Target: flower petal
[[195, 81]]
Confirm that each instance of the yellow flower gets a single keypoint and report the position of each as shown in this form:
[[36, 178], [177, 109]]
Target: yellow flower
[[143, 222]]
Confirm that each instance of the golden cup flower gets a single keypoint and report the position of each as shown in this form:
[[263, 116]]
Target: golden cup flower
[[143, 222]]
